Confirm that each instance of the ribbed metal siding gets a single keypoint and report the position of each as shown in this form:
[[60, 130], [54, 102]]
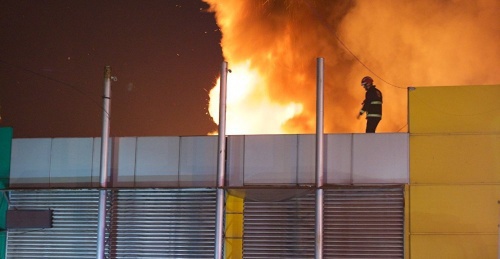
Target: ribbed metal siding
[[163, 223], [360, 222], [146, 223], [74, 230], [282, 229], [364, 222]]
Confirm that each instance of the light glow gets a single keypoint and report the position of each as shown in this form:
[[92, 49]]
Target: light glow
[[249, 110]]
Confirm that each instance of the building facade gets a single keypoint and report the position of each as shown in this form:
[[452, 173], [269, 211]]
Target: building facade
[[429, 193]]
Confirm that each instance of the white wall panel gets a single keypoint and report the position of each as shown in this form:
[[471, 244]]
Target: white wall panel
[[192, 161], [380, 158], [71, 162], [157, 161], [235, 158], [306, 166], [30, 162], [270, 159], [123, 162], [338, 158], [198, 161], [96, 161]]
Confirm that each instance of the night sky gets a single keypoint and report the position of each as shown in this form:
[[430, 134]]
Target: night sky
[[165, 54]]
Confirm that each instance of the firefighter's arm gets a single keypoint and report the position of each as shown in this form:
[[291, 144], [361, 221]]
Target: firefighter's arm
[[362, 109], [360, 113]]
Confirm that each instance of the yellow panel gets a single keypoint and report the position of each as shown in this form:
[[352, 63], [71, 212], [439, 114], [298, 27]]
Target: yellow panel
[[454, 246], [455, 158], [454, 209], [234, 204], [234, 227], [233, 249], [454, 109]]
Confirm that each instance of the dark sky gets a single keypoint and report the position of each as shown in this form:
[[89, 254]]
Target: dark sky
[[165, 54]]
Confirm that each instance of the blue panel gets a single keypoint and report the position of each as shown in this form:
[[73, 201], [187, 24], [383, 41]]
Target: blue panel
[[96, 162], [71, 162], [123, 162], [157, 162], [270, 159], [198, 161], [30, 162]]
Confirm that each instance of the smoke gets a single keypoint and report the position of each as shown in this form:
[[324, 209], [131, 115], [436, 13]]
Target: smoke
[[398, 43]]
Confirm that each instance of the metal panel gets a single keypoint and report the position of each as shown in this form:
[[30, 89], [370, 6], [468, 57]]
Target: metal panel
[[198, 161], [306, 161], [455, 159], [235, 160], [74, 226], [30, 162], [163, 223], [364, 222], [380, 158], [71, 162], [270, 159], [96, 160], [360, 222], [157, 162], [146, 223], [283, 229], [123, 162], [338, 158], [457, 109]]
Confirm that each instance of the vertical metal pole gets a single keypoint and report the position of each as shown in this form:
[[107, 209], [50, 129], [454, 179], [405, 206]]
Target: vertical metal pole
[[319, 159], [219, 227], [101, 224]]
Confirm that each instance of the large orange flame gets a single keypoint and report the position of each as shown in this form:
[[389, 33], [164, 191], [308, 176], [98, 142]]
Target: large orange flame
[[271, 47], [250, 111]]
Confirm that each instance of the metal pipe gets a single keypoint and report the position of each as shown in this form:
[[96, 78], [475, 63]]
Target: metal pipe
[[319, 158], [221, 155], [101, 224]]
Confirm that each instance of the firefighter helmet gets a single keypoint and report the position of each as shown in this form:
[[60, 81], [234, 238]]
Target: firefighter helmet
[[366, 81]]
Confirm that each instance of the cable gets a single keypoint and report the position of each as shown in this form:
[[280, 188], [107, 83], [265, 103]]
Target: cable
[[399, 130], [55, 80], [326, 25]]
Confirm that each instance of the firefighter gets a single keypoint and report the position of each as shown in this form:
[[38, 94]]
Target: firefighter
[[372, 105]]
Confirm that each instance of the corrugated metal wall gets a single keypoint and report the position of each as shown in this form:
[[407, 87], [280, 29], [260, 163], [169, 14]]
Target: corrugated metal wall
[[360, 222], [364, 222], [144, 223], [163, 223], [74, 231], [282, 229]]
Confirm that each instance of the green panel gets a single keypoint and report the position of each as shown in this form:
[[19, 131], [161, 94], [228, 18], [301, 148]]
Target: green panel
[[5, 152]]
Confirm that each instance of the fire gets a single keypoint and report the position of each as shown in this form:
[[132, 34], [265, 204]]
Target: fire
[[249, 108], [271, 47]]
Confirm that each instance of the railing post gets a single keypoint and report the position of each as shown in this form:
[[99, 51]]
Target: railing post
[[319, 159], [101, 224], [221, 155]]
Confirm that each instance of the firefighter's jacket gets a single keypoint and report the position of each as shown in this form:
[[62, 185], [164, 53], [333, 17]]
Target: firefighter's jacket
[[372, 104]]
